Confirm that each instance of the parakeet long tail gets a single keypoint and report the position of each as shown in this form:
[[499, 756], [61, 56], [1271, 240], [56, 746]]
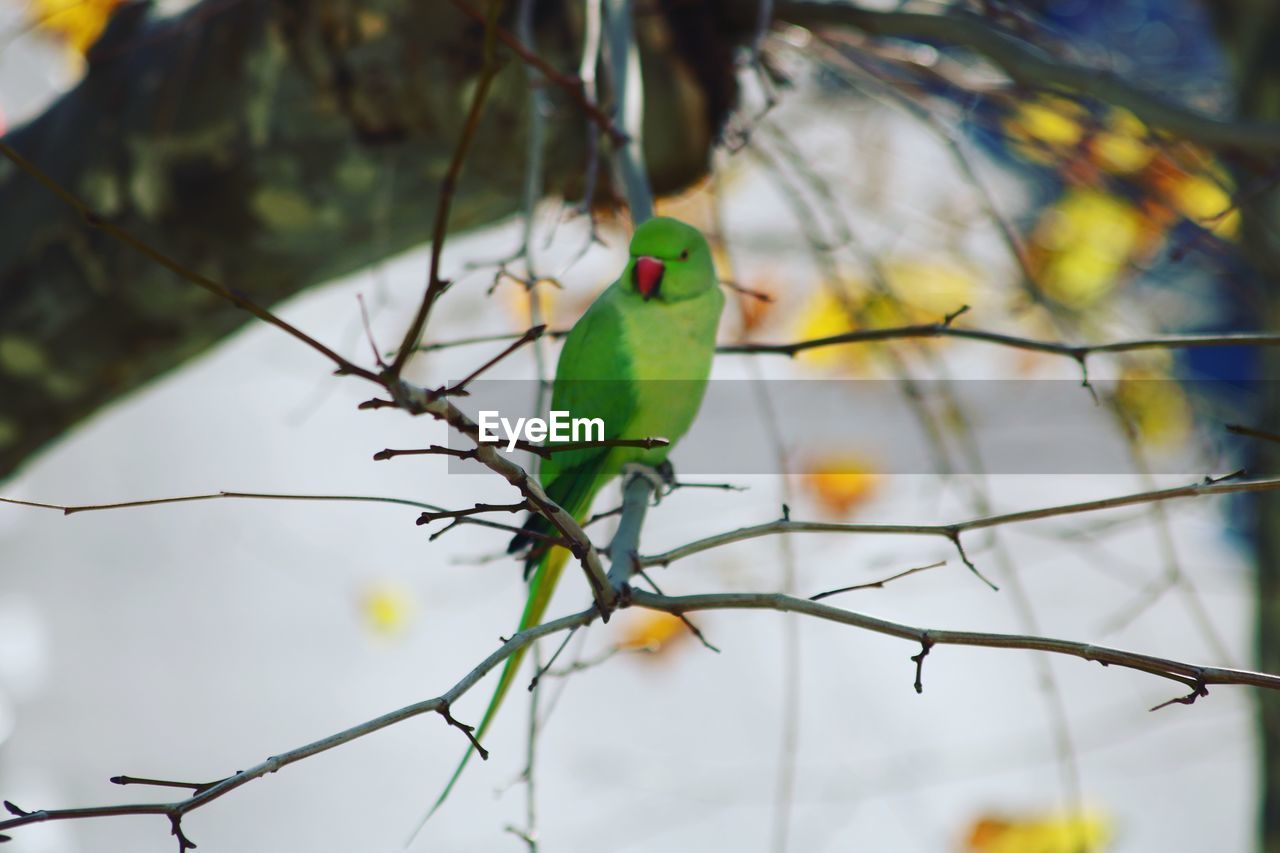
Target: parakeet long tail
[[543, 583]]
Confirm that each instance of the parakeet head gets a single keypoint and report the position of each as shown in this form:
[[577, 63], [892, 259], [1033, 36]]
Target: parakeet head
[[670, 261]]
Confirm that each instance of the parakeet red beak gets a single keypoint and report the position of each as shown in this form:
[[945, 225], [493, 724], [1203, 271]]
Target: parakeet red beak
[[646, 274]]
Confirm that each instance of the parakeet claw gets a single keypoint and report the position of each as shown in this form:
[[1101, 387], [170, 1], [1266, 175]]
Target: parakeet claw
[[668, 474], [661, 478]]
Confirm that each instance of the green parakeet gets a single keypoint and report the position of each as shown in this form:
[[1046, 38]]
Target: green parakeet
[[639, 359]]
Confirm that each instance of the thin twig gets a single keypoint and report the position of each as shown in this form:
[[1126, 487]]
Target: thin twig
[[880, 584], [459, 388], [235, 297], [428, 517], [448, 186], [1253, 432], [73, 509], [572, 85]]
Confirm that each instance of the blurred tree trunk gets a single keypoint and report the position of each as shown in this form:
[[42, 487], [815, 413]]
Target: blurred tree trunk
[[272, 146], [1250, 32]]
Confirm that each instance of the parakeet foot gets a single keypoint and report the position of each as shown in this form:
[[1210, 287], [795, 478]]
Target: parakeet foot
[[668, 473], [661, 478]]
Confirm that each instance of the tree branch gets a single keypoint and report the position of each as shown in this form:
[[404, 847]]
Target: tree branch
[[1191, 675], [952, 531], [176, 810], [1196, 677], [444, 201], [571, 85]]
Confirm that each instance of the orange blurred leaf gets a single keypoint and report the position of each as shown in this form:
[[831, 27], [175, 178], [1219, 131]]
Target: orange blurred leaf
[[1089, 830], [654, 632], [841, 482]]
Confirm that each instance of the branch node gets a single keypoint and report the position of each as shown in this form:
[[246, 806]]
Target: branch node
[[1081, 355], [926, 645], [467, 730], [693, 629], [537, 676], [951, 318], [953, 533], [1198, 689], [1211, 480], [184, 843], [377, 403]]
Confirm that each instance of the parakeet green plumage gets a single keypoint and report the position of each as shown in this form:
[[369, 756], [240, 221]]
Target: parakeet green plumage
[[638, 359]]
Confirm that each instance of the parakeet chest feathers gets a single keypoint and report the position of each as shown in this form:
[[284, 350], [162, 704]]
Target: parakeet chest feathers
[[675, 340]]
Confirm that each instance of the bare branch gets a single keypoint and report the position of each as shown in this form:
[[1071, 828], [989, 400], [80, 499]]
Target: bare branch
[[1252, 432], [944, 329], [459, 388], [485, 339], [439, 705], [953, 531], [235, 297], [1196, 677], [1183, 673], [571, 85], [880, 584], [70, 509], [435, 284], [430, 508], [434, 450], [543, 450], [417, 401], [458, 514]]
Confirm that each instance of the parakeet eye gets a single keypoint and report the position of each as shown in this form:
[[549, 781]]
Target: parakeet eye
[[684, 256]]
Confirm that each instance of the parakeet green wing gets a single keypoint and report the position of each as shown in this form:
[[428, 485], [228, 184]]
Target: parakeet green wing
[[592, 381]]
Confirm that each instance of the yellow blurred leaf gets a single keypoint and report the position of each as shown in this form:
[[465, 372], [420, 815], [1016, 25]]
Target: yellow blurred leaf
[[1121, 146], [841, 482], [930, 290], [919, 291], [1205, 201], [824, 315], [76, 23], [1074, 833], [654, 632], [386, 608], [1155, 405], [1046, 129], [1082, 244]]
